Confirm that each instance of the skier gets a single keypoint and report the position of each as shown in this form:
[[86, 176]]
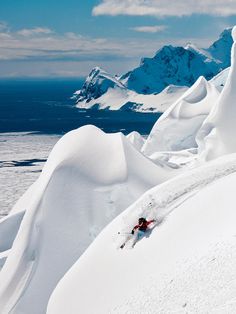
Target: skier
[[141, 228]]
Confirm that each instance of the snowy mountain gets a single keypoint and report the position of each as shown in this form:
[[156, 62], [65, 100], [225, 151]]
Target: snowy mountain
[[179, 66], [103, 91], [170, 65], [144, 88], [97, 83], [220, 49], [60, 246]]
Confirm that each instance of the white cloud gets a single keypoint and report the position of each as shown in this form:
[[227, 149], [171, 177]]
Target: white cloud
[[45, 53], [160, 8], [149, 29], [42, 44], [34, 31]]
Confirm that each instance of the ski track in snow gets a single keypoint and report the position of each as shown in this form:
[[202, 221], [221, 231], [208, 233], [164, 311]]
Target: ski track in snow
[[172, 193]]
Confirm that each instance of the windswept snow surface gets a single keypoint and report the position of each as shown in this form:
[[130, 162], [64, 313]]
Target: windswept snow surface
[[217, 135], [89, 178], [176, 129], [187, 262], [136, 139], [220, 79]]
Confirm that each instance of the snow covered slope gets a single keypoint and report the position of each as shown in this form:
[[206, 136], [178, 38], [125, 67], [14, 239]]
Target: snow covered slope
[[103, 91], [89, 178], [186, 264], [220, 79], [136, 139], [176, 129], [217, 135]]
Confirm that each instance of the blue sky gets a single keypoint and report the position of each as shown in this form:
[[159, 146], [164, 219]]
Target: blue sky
[[50, 38]]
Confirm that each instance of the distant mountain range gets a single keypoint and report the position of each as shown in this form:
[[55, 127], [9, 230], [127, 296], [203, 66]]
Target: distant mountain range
[[135, 90]]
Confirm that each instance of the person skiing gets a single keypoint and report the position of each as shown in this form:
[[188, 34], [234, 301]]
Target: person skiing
[[141, 228]]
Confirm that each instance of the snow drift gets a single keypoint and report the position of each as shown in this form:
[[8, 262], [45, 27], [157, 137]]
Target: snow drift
[[176, 129], [217, 135], [89, 178], [187, 260]]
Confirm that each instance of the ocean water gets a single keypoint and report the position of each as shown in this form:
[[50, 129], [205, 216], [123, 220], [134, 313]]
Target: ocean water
[[45, 106], [33, 117]]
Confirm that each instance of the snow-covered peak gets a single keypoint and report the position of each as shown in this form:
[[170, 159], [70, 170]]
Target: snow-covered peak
[[179, 65], [170, 65], [175, 66], [220, 49], [97, 83]]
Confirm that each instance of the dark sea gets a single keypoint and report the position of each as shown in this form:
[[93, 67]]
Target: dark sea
[[34, 114], [46, 106]]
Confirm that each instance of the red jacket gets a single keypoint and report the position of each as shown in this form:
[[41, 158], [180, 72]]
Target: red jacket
[[143, 226]]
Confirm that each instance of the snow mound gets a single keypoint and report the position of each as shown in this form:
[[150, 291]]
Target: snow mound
[[136, 139], [220, 79], [89, 178], [176, 129], [181, 257], [217, 135]]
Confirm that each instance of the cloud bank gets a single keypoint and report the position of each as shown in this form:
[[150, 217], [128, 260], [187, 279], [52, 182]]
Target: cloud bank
[[162, 8], [40, 51], [149, 29]]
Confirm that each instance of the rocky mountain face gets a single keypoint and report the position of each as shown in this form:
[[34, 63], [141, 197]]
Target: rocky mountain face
[[180, 66], [97, 84]]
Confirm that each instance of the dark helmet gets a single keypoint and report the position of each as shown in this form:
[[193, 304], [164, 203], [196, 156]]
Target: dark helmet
[[141, 220]]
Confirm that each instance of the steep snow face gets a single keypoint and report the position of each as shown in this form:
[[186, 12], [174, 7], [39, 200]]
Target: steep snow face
[[170, 65], [89, 178], [220, 79], [176, 129], [217, 135], [136, 139], [187, 260]]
